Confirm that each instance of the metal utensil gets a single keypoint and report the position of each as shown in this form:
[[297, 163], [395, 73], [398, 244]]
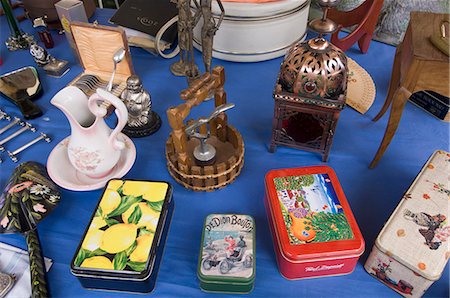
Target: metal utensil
[[14, 122], [205, 153], [117, 58], [27, 126], [13, 154]]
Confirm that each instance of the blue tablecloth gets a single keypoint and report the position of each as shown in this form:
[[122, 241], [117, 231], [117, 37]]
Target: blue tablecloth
[[372, 194]]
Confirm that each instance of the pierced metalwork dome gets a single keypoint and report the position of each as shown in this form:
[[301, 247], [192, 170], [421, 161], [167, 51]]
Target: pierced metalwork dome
[[315, 68], [314, 73]]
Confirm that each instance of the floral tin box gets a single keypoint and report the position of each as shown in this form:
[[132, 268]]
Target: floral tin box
[[227, 254], [313, 228], [124, 242], [412, 249]]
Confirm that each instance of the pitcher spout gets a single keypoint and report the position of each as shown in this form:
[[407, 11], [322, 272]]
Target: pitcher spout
[[74, 104]]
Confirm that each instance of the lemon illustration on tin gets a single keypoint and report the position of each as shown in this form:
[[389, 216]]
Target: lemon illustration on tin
[[111, 199], [115, 184], [97, 223], [92, 240], [142, 250], [150, 191], [149, 218], [118, 238], [99, 262]]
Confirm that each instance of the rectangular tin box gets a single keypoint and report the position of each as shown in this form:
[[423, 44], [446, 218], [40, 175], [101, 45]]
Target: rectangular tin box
[[412, 249], [123, 244], [227, 254], [313, 229]]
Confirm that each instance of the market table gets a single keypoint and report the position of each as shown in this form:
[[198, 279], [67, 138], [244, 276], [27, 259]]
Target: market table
[[372, 194]]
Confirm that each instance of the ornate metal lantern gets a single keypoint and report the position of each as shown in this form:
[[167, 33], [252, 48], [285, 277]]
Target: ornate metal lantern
[[310, 91]]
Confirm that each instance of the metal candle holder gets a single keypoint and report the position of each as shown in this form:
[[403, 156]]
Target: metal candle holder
[[310, 91], [18, 40]]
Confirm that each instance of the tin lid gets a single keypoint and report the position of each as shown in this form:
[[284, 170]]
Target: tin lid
[[311, 216], [417, 233], [123, 235], [227, 252], [253, 11]]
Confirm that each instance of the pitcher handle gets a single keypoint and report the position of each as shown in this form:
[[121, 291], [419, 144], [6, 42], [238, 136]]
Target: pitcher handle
[[100, 111]]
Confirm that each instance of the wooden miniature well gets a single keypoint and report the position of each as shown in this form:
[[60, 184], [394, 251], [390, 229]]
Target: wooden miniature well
[[225, 138]]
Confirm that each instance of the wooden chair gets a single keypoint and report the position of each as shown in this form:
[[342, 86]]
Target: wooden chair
[[364, 16]]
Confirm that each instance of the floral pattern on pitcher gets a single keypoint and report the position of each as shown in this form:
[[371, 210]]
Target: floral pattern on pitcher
[[84, 159]]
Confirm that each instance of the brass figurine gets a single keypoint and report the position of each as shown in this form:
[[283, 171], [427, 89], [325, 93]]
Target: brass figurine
[[209, 29], [186, 66], [142, 121]]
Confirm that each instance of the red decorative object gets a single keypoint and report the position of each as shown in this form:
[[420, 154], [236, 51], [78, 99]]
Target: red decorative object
[[310, 241], [364, 16]]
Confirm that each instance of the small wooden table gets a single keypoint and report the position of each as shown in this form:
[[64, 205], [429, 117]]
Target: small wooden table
[[418, 66]]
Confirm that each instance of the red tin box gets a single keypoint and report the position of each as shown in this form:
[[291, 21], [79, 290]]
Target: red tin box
[[313, 228]]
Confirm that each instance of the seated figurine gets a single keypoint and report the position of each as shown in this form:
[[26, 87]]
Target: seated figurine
[[142, 121]]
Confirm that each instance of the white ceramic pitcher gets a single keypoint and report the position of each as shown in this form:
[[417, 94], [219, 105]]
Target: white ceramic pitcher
[[94, 148]]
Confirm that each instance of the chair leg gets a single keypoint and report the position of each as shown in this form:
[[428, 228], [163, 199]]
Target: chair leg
[[393, 85], [364, 42], [400, 98], [116, 2]]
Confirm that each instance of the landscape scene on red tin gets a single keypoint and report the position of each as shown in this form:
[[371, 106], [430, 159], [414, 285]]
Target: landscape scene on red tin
[[311, 209]]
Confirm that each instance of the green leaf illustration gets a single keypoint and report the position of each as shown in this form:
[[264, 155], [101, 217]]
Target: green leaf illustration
[[126, 203], [157, 206], [36, 215], [14, 199], [135, 215], [80, 258], [145, 231], [137, 266], [84, 254], [111, 221], [120, 260], [120, 190], [99, 212], [97, 252], [130, 249], [25, 197]]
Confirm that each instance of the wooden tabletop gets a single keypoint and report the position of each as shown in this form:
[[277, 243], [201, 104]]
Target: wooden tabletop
[[423, 25]]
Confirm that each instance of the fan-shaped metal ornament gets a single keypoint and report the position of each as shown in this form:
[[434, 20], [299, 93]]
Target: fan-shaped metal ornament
[[29, 196]]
